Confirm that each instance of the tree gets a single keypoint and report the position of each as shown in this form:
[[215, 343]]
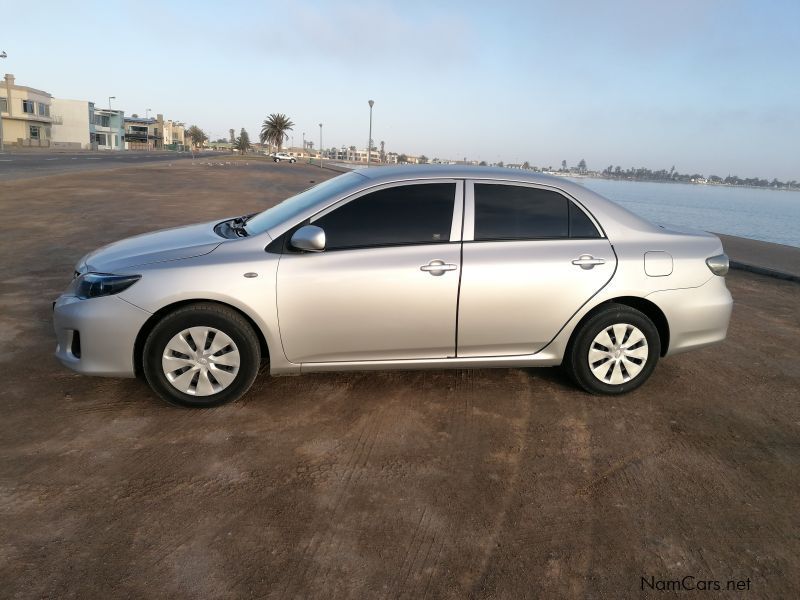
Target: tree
[[526, 165], [482, 163], [423, 160], [242, 142], [197, 135], [582, 166], [402, 158], [233, 135], [274, 128], [383, 152], [563, 165]]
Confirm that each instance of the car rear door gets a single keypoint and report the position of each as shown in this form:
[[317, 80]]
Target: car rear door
[[531, 258], [385, 287]]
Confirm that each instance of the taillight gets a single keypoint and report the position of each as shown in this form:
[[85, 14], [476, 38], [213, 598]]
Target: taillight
[[719, 264]]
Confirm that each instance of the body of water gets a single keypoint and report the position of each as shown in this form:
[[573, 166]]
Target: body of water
[[768, 215]]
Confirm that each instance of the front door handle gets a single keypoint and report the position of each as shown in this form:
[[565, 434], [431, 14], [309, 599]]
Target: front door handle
[[587, 261], [437, 267]]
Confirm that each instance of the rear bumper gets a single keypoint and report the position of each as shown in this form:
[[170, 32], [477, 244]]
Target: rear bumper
[[697, 317], [106, 329]]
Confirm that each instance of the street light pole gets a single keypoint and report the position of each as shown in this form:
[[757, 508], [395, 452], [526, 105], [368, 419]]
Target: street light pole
[[108, 141], [369, 140], [147, 118], [320, 145], [8, 101]]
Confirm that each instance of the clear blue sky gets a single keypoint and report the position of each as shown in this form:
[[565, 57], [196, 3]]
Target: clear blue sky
[[706, 85]]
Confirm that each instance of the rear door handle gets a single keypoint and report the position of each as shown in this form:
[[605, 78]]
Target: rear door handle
[[437, 267], [587, 261]]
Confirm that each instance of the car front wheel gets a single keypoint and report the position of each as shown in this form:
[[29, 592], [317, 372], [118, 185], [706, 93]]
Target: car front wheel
[[201, 355], [615, 351]]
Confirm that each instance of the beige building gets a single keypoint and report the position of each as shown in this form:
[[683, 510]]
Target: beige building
[[174, 135], [25, 113]]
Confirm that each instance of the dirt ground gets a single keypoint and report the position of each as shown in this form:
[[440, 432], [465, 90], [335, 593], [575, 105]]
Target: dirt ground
[[439, 484]]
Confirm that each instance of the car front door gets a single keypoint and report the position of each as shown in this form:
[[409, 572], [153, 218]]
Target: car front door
[[532, 257], [386, 285]]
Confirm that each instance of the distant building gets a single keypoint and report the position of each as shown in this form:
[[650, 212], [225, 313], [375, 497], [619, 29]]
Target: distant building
[[80, 124], [144, 134], [73, 123], [351, 154], [26, 114], [108, 132], [175, 135]]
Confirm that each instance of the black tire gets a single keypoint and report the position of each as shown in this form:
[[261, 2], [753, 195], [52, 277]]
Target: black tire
[[577, 358], [202, 314]]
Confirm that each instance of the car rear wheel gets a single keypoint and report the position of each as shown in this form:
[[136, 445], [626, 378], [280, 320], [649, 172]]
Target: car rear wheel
[[201, 355], [615, 351]]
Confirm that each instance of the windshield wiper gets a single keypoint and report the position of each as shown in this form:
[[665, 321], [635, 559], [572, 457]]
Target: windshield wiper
[[238, 225]]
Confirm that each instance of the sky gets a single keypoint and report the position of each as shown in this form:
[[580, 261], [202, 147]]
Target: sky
[[707, 86]]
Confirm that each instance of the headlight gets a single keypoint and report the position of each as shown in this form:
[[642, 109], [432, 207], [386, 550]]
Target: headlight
[[94, 285], [719, 264]]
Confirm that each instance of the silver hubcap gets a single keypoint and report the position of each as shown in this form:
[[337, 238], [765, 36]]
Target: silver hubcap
[[618, 354], [201, 361]]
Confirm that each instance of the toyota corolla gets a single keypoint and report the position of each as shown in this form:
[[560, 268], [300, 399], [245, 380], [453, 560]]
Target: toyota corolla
[[398, 268]]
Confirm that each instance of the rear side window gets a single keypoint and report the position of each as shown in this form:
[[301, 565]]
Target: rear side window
[[513, 212], [401, 215], [580, 226]]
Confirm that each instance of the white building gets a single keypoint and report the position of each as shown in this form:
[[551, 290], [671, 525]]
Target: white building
[[71, 123]]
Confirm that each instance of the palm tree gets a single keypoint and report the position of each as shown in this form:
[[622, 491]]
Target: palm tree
[[274, 128], [197, 135]]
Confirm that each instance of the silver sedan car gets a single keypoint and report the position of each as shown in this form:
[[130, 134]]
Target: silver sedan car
[[398, 268]]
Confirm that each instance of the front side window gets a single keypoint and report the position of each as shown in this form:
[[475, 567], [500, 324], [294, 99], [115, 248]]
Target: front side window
[[3, 105], [513, 212], [401, 215], [44, 110], [34, 132], [28, 107]]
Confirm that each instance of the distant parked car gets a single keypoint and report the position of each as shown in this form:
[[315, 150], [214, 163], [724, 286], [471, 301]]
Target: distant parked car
[[398, 268], [283, 156]]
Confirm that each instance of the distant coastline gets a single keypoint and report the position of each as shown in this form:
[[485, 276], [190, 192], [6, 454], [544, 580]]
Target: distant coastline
[[673, 176], [783, 188]]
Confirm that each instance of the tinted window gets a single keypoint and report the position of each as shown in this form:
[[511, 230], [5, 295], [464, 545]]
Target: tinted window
[[512, 212], [408, 214], [579, 224]]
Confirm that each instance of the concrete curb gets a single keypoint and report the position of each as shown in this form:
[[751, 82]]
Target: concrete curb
[[740, 266]]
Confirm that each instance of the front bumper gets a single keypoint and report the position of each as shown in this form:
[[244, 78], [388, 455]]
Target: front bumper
[[106, 327], [697, 317]]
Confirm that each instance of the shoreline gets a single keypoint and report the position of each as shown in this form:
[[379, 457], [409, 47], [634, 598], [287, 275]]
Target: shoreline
[[763, 258]]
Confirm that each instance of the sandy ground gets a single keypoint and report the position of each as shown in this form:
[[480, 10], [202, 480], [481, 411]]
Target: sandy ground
[[449, 484]]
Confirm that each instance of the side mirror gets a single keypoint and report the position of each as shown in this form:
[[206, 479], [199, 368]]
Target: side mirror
[[309, 238]]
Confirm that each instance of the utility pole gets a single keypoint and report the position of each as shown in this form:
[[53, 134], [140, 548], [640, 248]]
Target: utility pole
[[8, 101], [320, 145]]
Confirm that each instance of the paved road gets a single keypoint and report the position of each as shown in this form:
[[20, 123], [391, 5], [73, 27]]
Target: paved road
[[19, 165]]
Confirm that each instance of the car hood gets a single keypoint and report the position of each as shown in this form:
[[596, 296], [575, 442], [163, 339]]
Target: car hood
[[148, 248]]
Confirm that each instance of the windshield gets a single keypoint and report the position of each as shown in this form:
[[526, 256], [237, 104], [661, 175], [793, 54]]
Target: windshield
[[291, 207]]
